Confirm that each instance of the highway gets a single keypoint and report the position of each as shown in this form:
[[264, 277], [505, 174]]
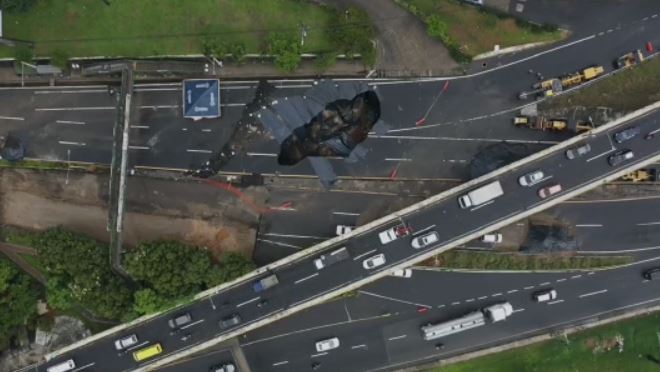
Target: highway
[[473, 110], [300, 282]]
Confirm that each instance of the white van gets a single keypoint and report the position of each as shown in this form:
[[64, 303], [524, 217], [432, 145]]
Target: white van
[[62, 367]]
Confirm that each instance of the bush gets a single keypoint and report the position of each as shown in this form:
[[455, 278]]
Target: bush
[[325, 60], [286, 50], [60, 59], [23, 53]]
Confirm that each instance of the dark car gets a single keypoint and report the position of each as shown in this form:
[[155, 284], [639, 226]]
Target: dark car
[[230, 321], [619, 157], [626, 134], [179, 321], [652, 274], [578, 151]]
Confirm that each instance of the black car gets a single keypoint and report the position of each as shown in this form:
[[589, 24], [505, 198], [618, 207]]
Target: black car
[[626, 134], [230, 321], [652, 274], [619, 157]]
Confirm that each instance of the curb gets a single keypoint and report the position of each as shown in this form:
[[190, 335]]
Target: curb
[[512, 49]]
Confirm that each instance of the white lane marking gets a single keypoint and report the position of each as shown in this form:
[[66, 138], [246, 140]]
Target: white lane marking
[[232, 104], [364, 254], [623, 251], [470, 300], [348, 314], [207, 130], [589, 225], [93, 108], [83, 367], [279, 243], [529, 287], [70, 122], [472, 139], [358, 346], [12, 118], [192, 324], [482, 205], [645, 281], [398, 159], [200, 151], [294, 86], [138, 147], [395, 299], [576, 276], [544, 283], [482, 298], [555, 302], [71, 143], [424, 230], [346, 213], [318, 355], [648, 224], [297, 236], [156, 107], [645, 19], [496, 294], [561, 280], [592, 293], [600, 155], [261, 154], [654, 16], [248, 301], [455, 303], [591, 273], [140, 126], [397, 337], [441, 306], [305, 278], [518, 310], [280, 363], [512, 291], [137, 346]]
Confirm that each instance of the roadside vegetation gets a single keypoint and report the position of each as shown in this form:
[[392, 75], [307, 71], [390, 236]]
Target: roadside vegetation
[[468, 31], [478, 260], [628, 345], [626, 90], [18, 300], [228, 29], [79, 276]]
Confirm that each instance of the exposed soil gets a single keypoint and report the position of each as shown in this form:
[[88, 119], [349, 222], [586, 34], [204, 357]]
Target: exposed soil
[[186, 211]]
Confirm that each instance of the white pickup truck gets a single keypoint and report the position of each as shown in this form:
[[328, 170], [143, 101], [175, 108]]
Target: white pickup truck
[[394, 233]]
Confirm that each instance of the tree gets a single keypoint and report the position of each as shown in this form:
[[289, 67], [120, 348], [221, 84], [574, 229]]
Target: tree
[[17, 6], [60, 59], [18, 300], [147, 301], [286, 50], [231, 267], [23, 53], [170, 268]]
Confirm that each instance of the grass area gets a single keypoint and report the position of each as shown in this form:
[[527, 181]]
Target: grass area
[[468, 31], [584, 351], [158, 27], [627, 90], [504, 261]]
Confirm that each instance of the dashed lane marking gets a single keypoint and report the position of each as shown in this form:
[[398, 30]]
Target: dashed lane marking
[[397, 337], [280, 363], [305, 278], [592, 293], [555, 302]]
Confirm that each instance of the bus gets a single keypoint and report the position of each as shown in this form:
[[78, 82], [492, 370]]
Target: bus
[[147, 352], [467, 321]]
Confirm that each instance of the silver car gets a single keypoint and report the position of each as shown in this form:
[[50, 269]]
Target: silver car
[[578, 151], [374, 261], [531, 179], [425, 240]]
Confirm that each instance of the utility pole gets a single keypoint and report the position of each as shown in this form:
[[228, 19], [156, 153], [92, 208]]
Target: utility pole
[[303, 34]]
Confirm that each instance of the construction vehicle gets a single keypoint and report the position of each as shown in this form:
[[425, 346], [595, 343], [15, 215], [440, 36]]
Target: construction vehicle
[[550, 87], [641, 175], [541, 123], [629, 59]]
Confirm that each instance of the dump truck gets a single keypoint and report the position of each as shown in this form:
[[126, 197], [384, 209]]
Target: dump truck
[[629, 59], [641, 175], [481, 195], [540, 123], [265, 283], [553, 86], [580, 77]]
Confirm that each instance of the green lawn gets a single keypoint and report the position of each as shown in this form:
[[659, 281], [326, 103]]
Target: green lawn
[[159, 27], [585, 352], [474, 31]]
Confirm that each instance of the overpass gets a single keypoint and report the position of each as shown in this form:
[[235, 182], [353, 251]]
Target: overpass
[[302, 286]]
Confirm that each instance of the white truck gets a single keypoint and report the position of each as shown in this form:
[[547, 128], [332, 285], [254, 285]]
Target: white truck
[[331, 258], [474, 319], [499, 311], [481, 195]]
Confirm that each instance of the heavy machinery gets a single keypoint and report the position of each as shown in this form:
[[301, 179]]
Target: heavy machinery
[[540, 123], [641, 175], [629, 59], [552, 86]]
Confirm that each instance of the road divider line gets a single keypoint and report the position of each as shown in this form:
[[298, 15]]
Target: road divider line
[[398, 159], [395, 299], [361, 346], [512, 291], [496, 294], [91, 108], [455, 303], [137, 346], [470, 300], [261, 154], [648, 224], [199, 151], [346, 213], [592, 293], [482, 205], [280, 363], [279, 243], [84, 367], [138, 147], [576, 276], [70, 122], [71, 143], [297, 236], [192, 324], [305, 278], [560, 280], [140, 127], [482, 298], [529, 287], [544, 283], [397, 337], [518, 310], [12, 118], [555, 302], [589, 225], [248, 302], [318, 355], [364, 254]]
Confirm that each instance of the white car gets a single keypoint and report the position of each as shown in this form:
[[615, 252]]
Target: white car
[[531, 179], [374, 261], [327, 344], [343, 229], [546, 295], [394, 233], [402, 273], [492, 238], [425, 240], [126, 342]]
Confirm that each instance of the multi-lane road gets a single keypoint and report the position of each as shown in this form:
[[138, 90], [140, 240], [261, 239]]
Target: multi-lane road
[[301, 282]]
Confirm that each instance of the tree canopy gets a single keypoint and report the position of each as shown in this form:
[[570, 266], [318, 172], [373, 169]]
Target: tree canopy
[[18, 300]]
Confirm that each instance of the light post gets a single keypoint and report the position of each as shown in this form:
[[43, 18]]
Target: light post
[[23, 71]]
